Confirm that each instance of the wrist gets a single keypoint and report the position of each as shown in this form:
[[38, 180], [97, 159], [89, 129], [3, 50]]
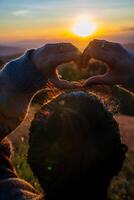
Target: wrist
[[129, 84], [131, 62], [129, 74], [32, 57], [23, 75]]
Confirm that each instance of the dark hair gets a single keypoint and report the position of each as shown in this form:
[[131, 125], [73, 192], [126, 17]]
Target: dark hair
[[6, 148], [5, 155], [75, 146]]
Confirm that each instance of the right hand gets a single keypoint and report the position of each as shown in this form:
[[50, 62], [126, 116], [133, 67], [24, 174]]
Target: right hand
[[50, 56], [119, 60]]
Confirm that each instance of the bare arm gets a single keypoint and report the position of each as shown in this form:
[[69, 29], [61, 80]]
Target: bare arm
[[19, 81], [129, 85], [22, 78]]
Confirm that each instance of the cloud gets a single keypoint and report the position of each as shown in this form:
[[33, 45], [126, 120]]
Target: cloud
[[21, 12], [128, 29]]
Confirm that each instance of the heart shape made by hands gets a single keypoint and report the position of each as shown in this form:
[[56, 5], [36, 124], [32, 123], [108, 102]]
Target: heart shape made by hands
[[119, 61], [48, 57]]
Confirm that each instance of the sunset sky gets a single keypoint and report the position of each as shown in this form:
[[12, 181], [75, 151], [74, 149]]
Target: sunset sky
[[53, 20]]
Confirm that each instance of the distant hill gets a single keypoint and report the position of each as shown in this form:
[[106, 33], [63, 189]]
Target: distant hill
[[9, 50], [129, 46], [26, 44]]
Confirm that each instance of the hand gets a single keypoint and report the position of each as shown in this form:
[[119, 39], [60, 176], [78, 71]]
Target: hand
[[48, 57], [119, 60]]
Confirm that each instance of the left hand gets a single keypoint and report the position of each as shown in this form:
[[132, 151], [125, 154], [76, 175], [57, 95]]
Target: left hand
[[48, 57], [120, 62]]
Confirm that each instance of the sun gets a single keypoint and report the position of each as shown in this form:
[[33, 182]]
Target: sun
[[84, 28]]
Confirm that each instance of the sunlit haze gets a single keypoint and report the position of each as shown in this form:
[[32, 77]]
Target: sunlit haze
[[59, 20], [84, 28]]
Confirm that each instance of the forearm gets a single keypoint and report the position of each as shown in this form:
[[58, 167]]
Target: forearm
[[19, 81], [129, 85]]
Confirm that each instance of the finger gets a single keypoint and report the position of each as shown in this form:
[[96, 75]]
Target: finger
[[86, 55], [59, 48], [63, 84], [66, 47], [62, 58], [85, 58], [76, 85], [98, 49], [99, 79]]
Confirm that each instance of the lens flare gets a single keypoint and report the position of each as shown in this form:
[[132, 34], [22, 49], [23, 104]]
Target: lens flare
[[84, 28]]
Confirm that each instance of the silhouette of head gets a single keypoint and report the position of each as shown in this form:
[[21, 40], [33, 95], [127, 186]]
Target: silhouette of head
[[6, 148], [75, 147], [5, 157]]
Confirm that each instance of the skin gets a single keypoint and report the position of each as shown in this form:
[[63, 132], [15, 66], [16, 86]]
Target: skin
[[14, 105], [119, 60], [48, 57]]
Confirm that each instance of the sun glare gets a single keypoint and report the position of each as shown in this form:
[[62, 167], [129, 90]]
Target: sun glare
[[84, 28]]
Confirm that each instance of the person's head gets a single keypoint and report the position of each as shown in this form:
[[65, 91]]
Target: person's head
[[6, 148], [75, 147], [5, 155]]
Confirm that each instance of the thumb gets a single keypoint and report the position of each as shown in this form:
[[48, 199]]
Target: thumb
[[99, 79], [63, 84], [64, 58]]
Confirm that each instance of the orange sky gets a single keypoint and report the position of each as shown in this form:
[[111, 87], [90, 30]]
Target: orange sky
[[53, 20]]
